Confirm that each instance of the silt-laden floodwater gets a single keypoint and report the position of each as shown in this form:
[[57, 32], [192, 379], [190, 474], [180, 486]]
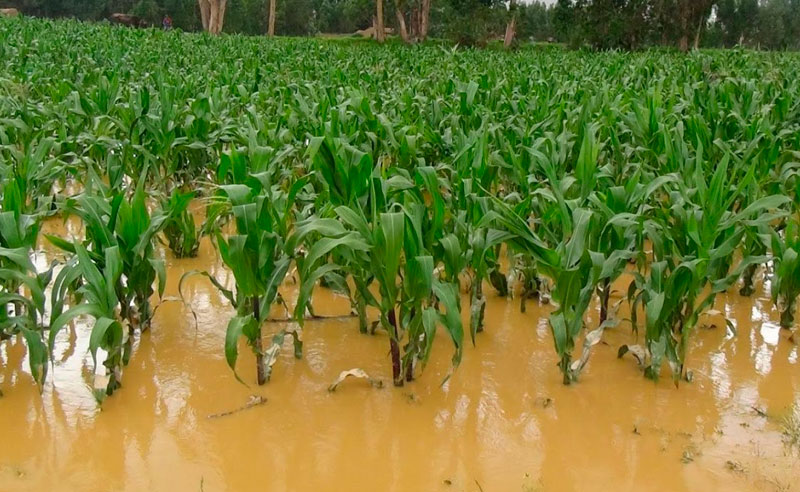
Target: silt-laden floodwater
[[503, 422]]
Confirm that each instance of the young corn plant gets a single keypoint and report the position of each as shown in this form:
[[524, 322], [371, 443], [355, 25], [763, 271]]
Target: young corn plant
[[22, 297], [580, 250], [481, 247], [343, 177], [757, 238], [111, 276], [19, 233], [574, 270], [694, 251], [98, 284], [28, 173], [22, 287], [523, 272], [423, 294], [786, 273], [129, 225], [392, 244], [620, 211], [180, 230], [258, 257], [474, 175]]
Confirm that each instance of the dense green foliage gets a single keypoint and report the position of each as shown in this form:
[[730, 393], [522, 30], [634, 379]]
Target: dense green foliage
[[629, 24], [399, 176]]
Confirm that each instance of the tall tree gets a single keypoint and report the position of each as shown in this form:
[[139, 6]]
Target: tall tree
[[692, 17], [212, 14], [564, 19], [512, 24], [425, 15], [736, 19], [418, 14], [380, 32], [271, 20], [399, 12], [205, 12]]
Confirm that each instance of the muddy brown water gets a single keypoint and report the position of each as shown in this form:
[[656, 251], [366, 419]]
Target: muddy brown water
[[503, 422]]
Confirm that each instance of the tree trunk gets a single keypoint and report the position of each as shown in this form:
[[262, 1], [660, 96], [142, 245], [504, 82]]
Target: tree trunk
[[512, 24], [697, 34], [271, 21], [415, 22], [261, 375], [223, 4], [683, 42], [214, 13], [510, 29], [401, 24], [213, 16], [205, 12], [423, 21], [380, 34]]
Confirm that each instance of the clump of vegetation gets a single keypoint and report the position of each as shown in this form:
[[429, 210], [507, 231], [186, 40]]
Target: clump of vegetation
[[790, 425]]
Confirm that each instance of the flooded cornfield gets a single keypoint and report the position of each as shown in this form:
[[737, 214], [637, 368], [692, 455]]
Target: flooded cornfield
[[312, 264], [503, 421]]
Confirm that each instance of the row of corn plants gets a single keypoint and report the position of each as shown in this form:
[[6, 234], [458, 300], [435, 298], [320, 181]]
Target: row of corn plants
[[415, 182]]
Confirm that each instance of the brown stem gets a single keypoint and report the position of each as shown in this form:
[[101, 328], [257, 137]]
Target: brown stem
[[361, 309], [260, 369], [397, 371], [565, 369], [748, 286], [787, 316], [479, 298], [605, 293]]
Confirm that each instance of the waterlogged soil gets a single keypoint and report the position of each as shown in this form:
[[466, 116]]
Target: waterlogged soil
[[502, 422]]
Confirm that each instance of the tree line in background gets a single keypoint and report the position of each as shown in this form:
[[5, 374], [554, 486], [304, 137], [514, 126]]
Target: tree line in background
[[632, 24], [602, 24]]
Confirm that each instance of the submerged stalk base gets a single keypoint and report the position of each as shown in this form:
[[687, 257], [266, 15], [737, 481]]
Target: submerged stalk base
[[394, 347]]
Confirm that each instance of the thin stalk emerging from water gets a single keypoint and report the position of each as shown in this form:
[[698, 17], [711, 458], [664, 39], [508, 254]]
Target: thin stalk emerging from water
[[260, 369]]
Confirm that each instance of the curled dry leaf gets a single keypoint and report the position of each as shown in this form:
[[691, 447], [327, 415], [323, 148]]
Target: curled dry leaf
[[355, 373], [272, 352], [637, 351], [592, 338]]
